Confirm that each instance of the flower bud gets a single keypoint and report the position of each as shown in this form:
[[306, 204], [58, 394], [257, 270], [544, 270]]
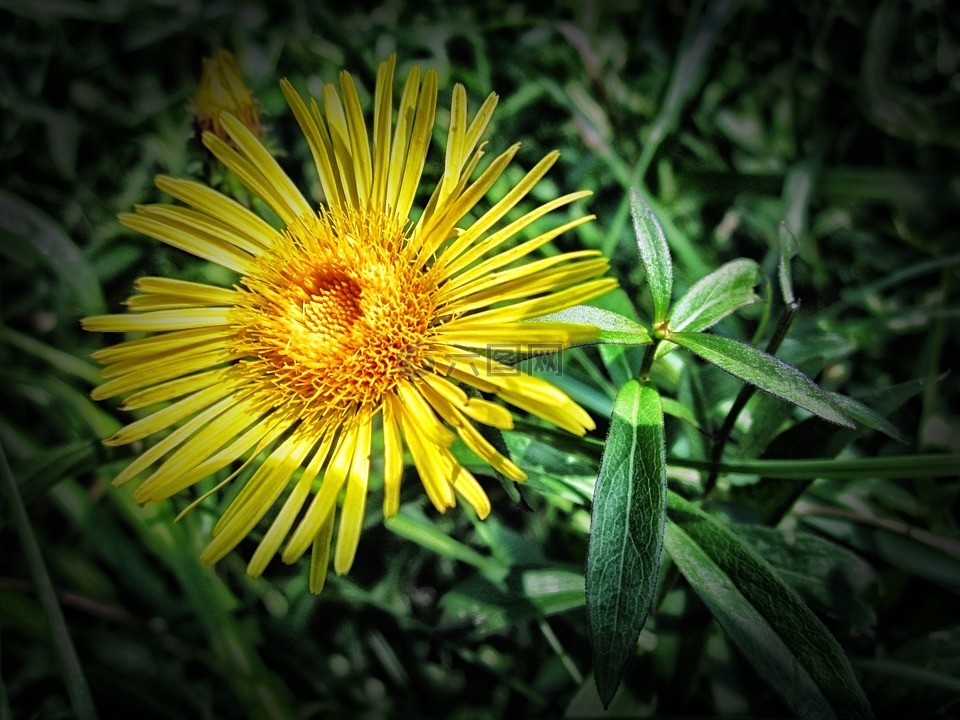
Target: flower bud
[[222, 90]]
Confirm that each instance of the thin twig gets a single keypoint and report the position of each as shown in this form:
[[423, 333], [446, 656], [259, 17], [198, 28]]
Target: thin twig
[[897, 527], [743, 397]]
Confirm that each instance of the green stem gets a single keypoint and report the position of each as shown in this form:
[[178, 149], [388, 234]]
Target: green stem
[[743, 397], [80, 697], [648, 358], [931, 465]]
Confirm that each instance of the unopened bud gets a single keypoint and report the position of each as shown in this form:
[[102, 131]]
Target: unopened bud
[[222, 90]]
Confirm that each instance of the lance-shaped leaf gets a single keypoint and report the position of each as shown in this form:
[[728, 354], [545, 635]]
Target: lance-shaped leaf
[[779, 635], [626, 533], [715, 296], [768, 373], [789, 247], [655, 254], [614, 327], [867, 416]]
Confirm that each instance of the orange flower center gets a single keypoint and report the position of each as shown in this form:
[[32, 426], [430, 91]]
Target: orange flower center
[[335, 316]]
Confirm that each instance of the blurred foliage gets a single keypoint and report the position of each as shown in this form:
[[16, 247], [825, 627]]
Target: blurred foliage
[[839, 119]]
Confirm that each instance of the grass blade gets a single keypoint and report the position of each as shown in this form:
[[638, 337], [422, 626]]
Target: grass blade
[[81, 699]]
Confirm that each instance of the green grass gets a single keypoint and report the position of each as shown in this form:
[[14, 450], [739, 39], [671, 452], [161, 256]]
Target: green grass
[[838, 119]]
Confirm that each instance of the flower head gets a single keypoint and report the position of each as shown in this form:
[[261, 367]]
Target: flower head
[[222, 90], [351, 320]]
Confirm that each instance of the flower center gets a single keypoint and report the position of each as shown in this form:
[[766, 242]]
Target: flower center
[[337, 315], [334, 304]]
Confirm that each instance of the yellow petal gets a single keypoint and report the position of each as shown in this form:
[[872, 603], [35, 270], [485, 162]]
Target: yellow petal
[[451, 412], [469, 489], [318, 139], [340, 140], [456, 136], [159, 321], [250, 175], [354, 502], [359, 144], [293, 203], [204, 225], [157, 371], [567, 415], [432, 461], [441, 226], [528, 279], [180, 469], [320, 556], [189, 239], [325, 499], [258, 495], [419, 143], [392, 458], [479, 124], [178, 436], [144, 348], [536, 307], [382, 131], [401, 139], [175, 388], [506, 257], [220, 206], [168, 416], [282, 523]]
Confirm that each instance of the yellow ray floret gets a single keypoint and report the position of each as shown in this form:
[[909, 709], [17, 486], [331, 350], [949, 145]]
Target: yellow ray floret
[[358, 318]]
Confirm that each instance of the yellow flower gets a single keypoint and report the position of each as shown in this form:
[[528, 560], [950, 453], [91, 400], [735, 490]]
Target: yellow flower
[[353, 320], [222, 90]]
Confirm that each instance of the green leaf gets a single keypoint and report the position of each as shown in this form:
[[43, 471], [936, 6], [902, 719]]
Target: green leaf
[[768, 373], [655, 254], [614, 327], [491, 607], [911, 549], [626, 535], [411, 523], [902, 674], [928, 663], [616, 358], [40, 472], [715, 296], [553, 590], [62, 361], [680, 411], [781, 637], [866, 416], [828, 576], [789, 247], [812, 438], [32, 230]]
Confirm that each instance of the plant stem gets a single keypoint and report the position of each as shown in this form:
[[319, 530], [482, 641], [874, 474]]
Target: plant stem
[[743, 397], [648, 358]]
